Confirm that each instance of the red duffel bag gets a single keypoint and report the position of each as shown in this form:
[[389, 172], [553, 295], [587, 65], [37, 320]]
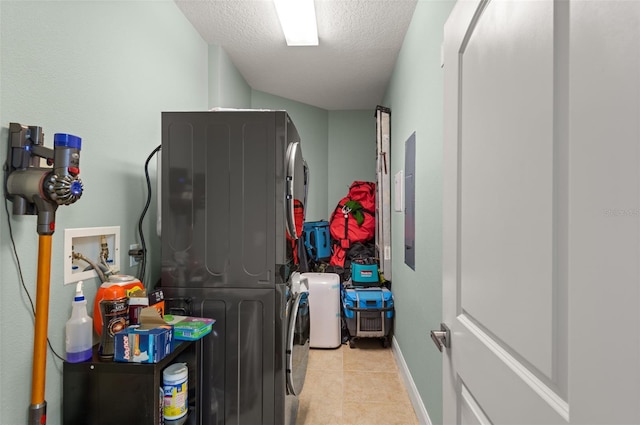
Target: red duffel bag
[[353, 220]]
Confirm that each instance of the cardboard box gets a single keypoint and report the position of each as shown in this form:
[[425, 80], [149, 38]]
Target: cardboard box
[[189, 328], [156, 299], [148, 342]]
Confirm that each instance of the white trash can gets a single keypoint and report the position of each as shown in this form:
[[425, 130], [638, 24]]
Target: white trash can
[[324, 309]]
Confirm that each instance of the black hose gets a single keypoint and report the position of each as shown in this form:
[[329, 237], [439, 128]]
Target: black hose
[[19, 266], [143, 261]]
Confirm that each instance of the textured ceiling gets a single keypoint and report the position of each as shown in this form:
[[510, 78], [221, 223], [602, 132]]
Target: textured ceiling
[[350, 69]]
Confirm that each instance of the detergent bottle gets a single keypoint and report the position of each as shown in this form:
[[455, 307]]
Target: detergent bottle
[[79, 330]]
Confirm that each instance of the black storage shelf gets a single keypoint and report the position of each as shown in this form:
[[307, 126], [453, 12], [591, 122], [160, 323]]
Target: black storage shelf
[[99, 392]]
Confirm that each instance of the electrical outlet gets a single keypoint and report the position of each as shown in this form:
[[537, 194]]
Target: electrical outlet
[[133, 261], [89, 242]]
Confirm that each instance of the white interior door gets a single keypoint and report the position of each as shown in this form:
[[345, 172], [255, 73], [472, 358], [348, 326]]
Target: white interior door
[[542, 212]]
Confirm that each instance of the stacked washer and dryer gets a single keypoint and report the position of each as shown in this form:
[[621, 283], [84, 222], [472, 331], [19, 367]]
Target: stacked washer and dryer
[[231, 184]]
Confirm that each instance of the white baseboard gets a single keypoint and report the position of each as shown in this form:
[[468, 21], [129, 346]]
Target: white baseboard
[[414, 396]]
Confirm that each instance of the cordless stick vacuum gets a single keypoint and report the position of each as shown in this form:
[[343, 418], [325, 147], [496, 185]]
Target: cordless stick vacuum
[[37, 190]]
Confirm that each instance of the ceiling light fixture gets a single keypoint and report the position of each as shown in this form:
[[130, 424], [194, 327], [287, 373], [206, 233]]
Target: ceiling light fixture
[[298, 21]]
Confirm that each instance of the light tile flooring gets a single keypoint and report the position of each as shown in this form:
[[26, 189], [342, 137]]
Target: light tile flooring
[[352, 386]]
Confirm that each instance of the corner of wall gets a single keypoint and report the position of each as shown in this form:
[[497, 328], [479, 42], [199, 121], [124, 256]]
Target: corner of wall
[[213, 73], [227, 87]]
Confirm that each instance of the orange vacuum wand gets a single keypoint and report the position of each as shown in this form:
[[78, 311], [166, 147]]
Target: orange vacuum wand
[[36, 190], [38, 372]]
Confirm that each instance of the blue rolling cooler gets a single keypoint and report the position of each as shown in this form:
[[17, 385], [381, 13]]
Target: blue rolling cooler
[[368, 313], [317, 239]]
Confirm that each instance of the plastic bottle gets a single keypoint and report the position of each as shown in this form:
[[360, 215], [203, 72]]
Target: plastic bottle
[[79, 330], [114, 309], [175, 380], [129, 283]]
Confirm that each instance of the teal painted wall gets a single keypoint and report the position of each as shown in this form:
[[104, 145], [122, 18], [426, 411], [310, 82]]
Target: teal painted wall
[[312, 125], [102, 70], [352, 151], [227, 87], [415, 96]]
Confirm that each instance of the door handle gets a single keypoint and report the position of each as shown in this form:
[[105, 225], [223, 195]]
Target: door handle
[[442, 338]]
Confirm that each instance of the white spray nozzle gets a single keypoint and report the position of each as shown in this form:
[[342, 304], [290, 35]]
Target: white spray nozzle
[[79, 295]]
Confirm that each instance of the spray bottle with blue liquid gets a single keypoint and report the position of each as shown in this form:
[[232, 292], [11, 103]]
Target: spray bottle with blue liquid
[[79, 330]]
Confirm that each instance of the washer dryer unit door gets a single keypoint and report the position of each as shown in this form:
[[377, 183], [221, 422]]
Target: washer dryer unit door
[[298, 342], [296, 188]]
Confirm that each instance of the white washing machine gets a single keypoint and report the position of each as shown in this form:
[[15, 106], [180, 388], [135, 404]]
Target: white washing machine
[[324, 309]]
